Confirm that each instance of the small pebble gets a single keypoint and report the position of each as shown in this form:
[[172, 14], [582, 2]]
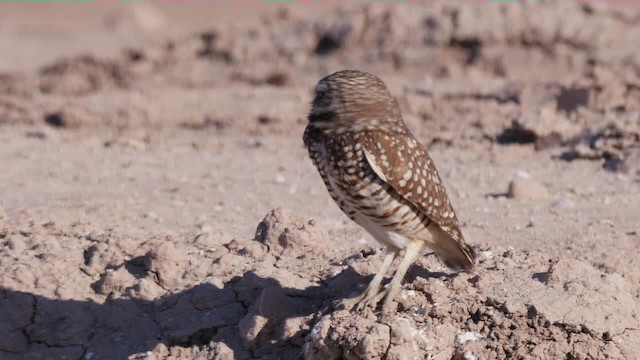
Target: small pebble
[[527, 189], [563, 203], [280, 179]]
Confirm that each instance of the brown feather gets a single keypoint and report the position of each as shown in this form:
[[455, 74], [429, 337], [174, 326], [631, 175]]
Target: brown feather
[[429, 197]]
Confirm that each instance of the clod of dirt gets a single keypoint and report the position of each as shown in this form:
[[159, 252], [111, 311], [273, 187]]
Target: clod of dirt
[[527, 189], [101, 256], [284, 232], [167, 263]]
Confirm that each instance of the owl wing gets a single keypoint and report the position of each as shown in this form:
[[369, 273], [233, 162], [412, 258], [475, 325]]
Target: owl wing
[[403, 163]]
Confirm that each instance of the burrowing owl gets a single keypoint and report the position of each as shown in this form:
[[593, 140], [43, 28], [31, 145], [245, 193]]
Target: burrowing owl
[[381, 177]]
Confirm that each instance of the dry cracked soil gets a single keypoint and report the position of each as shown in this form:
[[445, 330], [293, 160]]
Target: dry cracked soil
[[156, 201]]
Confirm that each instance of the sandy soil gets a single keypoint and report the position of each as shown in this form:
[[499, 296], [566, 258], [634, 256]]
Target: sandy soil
[[156, 200]]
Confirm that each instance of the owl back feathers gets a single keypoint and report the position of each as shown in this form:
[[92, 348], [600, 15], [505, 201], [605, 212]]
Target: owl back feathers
[[401, 162]]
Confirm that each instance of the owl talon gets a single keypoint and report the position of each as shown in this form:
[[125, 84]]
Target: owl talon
[[371, 299], [355, 303]]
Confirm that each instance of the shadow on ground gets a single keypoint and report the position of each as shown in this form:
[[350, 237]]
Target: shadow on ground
[[251, 315]]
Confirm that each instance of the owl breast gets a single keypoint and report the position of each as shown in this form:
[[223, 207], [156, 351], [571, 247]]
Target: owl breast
[[363, 196]]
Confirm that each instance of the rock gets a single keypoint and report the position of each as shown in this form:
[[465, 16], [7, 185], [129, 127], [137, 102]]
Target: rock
[[286, 233], [167, 264], [527, 189]]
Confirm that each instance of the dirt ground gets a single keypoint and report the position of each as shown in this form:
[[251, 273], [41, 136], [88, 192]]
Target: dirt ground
[[156, 200]]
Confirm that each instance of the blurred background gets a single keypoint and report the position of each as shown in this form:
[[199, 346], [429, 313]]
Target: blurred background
[[34, 34]]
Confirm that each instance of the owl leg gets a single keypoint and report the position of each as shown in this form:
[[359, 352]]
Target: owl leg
[[411, 253], [373, 289]]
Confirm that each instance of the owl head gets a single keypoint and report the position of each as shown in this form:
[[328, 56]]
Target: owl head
[[352, 98]]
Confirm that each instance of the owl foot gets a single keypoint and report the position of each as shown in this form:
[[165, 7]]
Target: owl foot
[[357, 303], [370, 299]]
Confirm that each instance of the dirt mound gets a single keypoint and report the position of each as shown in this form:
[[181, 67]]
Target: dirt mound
[[111, 295], [515, 305], [283, 232]]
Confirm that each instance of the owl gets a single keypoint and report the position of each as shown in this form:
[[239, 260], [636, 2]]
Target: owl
[[382, 178]]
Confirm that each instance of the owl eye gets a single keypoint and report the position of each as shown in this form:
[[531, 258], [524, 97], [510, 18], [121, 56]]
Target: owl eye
[[320, 90]]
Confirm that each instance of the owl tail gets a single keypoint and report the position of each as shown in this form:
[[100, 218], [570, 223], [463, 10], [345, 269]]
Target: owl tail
[[454, 253]]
